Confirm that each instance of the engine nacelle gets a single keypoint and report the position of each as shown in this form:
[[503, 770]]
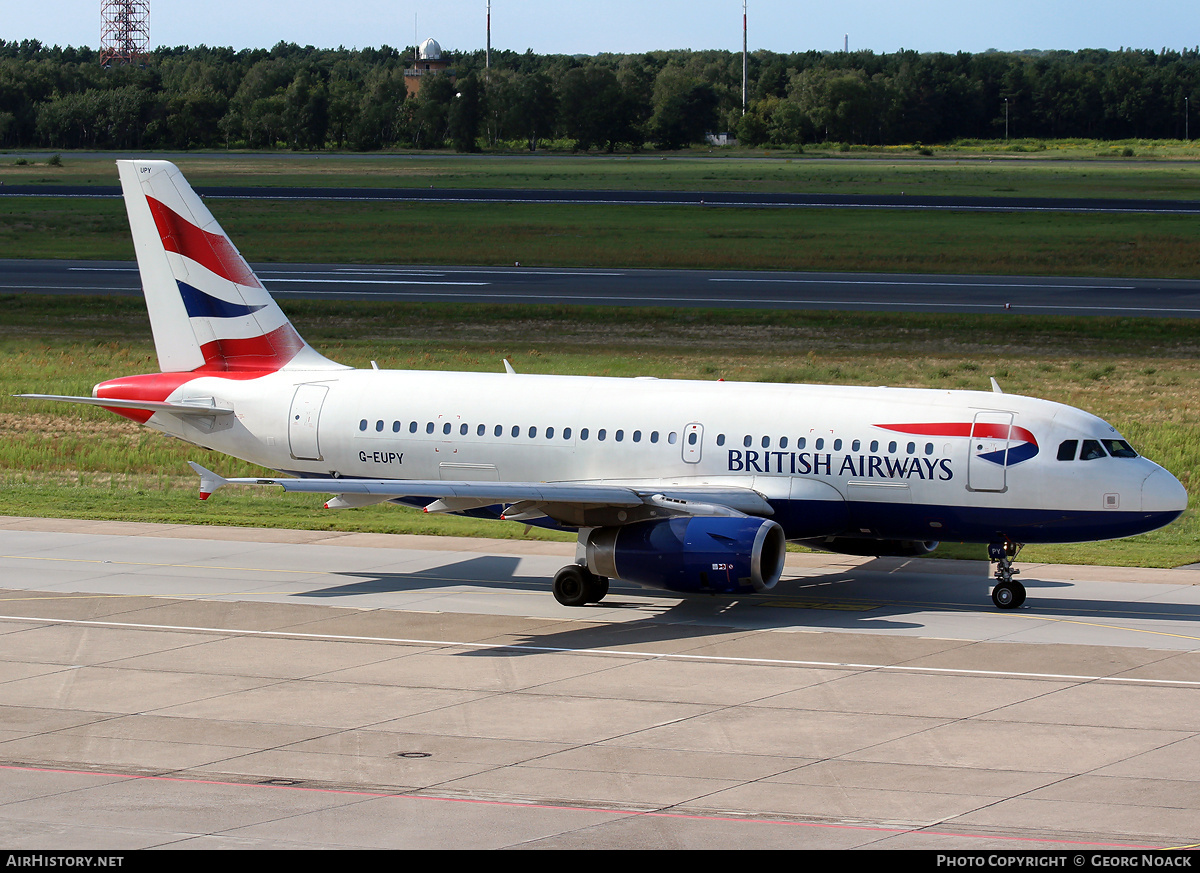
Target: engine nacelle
[[872, 548], [691, 553]]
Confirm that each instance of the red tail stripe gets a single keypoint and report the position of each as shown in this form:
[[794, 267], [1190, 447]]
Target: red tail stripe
[[211, 250], [267, 352]]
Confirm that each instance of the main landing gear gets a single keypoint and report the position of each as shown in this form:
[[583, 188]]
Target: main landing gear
[[1008, 593], [578, 586]]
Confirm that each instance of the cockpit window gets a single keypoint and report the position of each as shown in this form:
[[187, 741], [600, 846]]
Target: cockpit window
[[1066, 450], [1092, 450], [1119, 449]]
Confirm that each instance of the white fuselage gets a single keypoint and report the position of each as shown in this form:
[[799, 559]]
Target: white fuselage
[[882, 462]]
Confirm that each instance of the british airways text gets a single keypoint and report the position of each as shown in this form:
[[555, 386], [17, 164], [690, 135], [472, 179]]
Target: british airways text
[[818, 464]]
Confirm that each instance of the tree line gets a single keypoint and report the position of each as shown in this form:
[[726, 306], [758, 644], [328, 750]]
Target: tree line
[[308, 98]]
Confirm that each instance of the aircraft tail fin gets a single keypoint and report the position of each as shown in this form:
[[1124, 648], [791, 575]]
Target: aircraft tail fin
[[207, 309]]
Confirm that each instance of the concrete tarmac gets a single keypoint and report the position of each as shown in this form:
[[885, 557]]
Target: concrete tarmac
[[197, 687]]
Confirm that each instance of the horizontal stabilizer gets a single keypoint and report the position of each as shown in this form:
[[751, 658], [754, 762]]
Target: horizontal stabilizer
[[148, 405]]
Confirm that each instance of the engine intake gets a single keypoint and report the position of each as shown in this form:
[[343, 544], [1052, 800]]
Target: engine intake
[[691, 553]]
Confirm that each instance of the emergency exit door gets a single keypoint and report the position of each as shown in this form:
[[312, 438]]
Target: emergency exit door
[[304, 421]]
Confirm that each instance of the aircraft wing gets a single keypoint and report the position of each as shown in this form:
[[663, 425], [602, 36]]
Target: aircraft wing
[[524, 499]]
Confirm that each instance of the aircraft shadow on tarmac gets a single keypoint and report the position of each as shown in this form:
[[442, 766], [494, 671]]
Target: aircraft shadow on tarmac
[[883, 594]]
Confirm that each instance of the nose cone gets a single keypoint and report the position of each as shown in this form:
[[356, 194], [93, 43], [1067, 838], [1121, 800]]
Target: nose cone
[[1162, 492]]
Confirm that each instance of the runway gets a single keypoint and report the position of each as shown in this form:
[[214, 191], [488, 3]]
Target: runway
[[213, 687], [684, 288], [726, 199]]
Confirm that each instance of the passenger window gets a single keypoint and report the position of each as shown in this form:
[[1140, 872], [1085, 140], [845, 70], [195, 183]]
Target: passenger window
[[637, 436], [481, 430], [1066, 450], [929, 448], [533, 432], [820, 443], [395, 427], [412, 427], [801, 443], [583, 434], [912, 448], [601, 434], [566, 433], [720, 439], [463, 430], [379, 427], [549, 433], [692, 438], [892, 447], [619, 435], [429, 427], [672, 437], [362, 425], [837, 445], [1091, 450], [748, 441], [854, 446], [446, 427], [783, 442], [874, 445], [766, 442], [653, 436], [499, 430], [516, 430]]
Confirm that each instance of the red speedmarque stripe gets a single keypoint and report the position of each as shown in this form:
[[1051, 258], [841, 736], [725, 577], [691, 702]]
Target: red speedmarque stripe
[[210, 250], [963, 429]]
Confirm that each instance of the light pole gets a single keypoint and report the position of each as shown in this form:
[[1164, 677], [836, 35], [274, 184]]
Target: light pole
[[1006, 119], [1186, 137], [744, 57]]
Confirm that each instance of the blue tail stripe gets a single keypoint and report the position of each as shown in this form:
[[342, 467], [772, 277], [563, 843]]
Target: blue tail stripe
[[202, 305]]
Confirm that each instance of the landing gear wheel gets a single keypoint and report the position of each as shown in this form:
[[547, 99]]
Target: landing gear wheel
[[1008, 595], [578, 586], [571, 586]]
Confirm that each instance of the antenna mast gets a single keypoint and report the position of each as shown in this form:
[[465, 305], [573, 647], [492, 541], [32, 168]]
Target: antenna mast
[[124, 31]]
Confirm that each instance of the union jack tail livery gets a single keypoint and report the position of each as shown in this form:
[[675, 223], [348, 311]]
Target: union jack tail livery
[[208, 310]]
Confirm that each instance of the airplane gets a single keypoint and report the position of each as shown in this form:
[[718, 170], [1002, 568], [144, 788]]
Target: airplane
[[685, 486]]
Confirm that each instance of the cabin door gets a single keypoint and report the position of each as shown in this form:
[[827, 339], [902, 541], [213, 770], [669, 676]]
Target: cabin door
[[987, 463]]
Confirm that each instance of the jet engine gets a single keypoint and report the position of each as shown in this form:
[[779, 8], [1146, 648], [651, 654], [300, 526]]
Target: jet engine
[[691, 553]]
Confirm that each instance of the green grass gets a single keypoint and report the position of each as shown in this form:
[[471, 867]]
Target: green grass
[[693, 237], [1017, 169], [60, 460]]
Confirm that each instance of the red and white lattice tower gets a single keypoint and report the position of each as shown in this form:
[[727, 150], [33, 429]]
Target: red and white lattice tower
[[124, 30]]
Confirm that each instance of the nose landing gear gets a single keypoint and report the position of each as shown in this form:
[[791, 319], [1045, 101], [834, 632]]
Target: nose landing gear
[[1008, 593]]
